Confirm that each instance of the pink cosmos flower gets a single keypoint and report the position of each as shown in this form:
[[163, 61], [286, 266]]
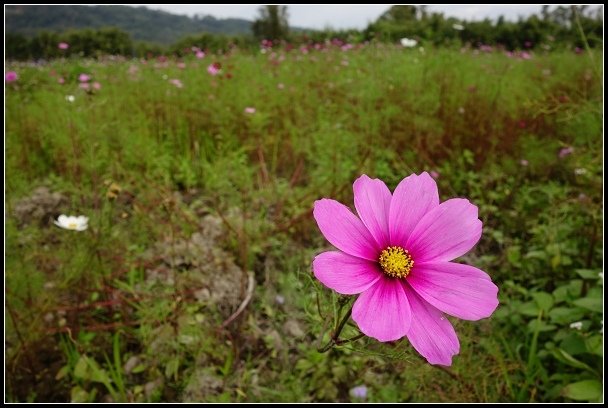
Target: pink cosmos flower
[[11, 76], [525, 55], [63, 46], [250, 110], [177, 83], [96, 85], [200, 54], [214, 68], [566, 151], [61, 80], [84, 78], [396, 255]]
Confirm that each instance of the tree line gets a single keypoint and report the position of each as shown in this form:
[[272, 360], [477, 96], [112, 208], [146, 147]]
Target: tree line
[[552, 28]]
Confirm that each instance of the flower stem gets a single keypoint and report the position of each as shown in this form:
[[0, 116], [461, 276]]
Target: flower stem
[[336, 334]]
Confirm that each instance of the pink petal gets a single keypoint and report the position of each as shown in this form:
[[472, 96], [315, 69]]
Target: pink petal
[[383, 311], [459, 290], [446, 232], [373, 202], [431, 333], [413, 198], [345, 274], [344, 230]]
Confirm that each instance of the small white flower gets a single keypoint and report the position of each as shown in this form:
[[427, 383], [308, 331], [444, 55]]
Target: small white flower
[[70, 222], [458, 27], [408, 43], [576, 325], [580, 171], [70, 98]]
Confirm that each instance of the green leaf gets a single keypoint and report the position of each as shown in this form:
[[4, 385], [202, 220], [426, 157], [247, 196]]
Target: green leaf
[[81, 370], [566, 358], [594, 345], [536, 325], [570, 291], [566, 315], [528, 309], [588, 273], [593, 304], [587, 390], [514, 255], [536, 254], [574, 344], [543, 300], [77, 394], [65, 370], [172, 368]]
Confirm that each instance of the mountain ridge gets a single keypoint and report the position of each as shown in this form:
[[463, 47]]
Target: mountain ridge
[[142, 23]]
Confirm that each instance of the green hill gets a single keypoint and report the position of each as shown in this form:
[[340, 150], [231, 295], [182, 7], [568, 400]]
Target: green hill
[[141, 23]]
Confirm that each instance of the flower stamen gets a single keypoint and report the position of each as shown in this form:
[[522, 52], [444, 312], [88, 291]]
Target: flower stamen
[[396, 262]]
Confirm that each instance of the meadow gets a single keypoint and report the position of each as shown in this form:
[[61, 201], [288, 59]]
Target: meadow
[[193, 281]]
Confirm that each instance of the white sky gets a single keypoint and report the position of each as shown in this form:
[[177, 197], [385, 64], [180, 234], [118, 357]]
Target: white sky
[[346, 16]]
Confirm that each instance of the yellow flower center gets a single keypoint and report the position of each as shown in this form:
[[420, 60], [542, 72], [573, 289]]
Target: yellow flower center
[[72, 225], [396, 262]]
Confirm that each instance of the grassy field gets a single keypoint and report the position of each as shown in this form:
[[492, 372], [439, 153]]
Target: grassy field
[[200, 208]]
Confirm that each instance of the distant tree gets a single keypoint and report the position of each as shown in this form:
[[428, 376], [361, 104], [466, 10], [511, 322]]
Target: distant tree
[[400, 13], [271, 23]]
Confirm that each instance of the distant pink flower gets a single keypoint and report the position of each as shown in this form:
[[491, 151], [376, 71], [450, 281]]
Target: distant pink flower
[[11, 76], [84, 78], [85, 85], [96, 85], [525, 55], [434, 174], [578, 50], [566, 151], [181, 65], [396, 255], [214, 68], [200, 54], [524, 162], [61, 80], [249, 110], [63, 46], [177, 83]]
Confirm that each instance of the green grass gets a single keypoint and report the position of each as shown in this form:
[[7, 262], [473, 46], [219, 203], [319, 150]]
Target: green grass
[[152, 165]]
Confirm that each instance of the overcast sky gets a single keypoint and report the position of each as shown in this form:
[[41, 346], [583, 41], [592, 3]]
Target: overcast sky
[[346, 16]]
